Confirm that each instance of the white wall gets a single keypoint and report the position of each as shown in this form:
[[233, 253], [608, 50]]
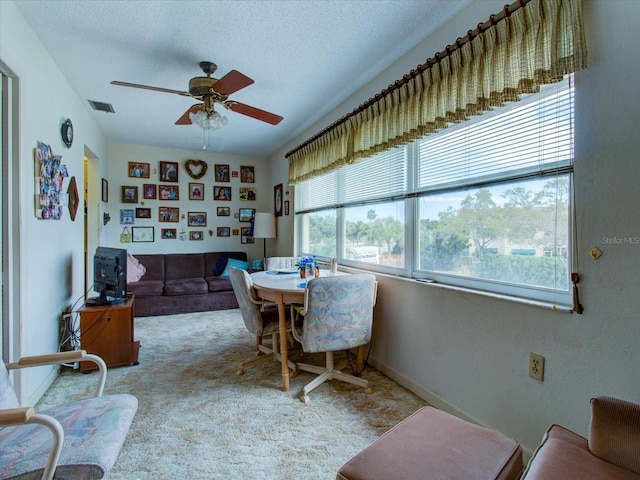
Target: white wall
[[469, 353], [51, 259]]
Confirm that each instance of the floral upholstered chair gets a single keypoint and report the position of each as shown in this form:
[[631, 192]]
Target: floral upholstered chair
[[259, 321], [79, 440], [337, 315]]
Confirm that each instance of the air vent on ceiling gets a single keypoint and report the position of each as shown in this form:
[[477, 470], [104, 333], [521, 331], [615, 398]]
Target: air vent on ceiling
[[101, 106]]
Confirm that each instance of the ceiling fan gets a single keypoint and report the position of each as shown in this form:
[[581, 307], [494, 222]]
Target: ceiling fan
[[209, 91]]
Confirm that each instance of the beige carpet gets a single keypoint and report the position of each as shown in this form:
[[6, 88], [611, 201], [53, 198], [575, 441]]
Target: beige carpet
[[197, 419]]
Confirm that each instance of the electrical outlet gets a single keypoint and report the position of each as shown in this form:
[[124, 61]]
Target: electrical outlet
[[536, 366]]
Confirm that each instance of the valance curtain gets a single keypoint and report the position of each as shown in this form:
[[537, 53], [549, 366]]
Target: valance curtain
[[529, 43]]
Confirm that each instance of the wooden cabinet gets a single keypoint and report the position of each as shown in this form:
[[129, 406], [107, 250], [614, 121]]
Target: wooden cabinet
[[107, 331]]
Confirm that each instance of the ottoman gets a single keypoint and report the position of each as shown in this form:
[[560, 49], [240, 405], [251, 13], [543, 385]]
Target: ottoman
[[431, 444]]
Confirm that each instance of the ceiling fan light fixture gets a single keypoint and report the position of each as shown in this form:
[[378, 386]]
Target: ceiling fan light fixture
[[208, 122], [214, 121]]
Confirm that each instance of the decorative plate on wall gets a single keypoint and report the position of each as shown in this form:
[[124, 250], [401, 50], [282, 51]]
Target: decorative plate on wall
[[74, 199]]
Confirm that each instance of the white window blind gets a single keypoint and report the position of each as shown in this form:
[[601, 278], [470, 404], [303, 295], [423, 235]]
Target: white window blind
[[381, 176], [533, 136]]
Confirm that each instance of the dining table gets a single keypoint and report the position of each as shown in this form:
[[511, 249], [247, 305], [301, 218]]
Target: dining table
[[285, 287]]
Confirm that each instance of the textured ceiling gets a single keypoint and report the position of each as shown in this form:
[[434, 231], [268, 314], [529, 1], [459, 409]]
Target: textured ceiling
[[304, 56]]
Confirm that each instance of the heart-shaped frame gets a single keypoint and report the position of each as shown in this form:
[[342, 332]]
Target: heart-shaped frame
[[190, 164]]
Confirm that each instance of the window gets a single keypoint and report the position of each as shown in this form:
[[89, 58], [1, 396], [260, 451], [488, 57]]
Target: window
[[484, 204]]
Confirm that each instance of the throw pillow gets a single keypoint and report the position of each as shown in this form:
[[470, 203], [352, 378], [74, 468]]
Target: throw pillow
[[232, 262], [135, 270], [218, 268]]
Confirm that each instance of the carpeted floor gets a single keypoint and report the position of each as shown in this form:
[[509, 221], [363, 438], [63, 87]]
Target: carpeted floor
[[197, 419]]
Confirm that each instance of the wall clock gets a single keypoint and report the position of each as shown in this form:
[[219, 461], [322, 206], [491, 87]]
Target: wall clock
[[67, 133]]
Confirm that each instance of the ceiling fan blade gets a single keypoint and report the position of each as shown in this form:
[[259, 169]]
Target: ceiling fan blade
[[232, 82], [147, 87], [184, 119], [253, 112]]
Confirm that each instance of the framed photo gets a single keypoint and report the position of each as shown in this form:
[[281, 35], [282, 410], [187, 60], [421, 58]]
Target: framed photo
[[143, 213], [129, 194], [149, 191], [247, 174], [196, 235], [168, 171], [286, 207], [105, 190], [246, 214], [197, 219], [169, 192], [245, 235], [234, 174], [168, 234], [221, 173], [168, 214], [223, 231], [126, 216], [196, 191], [142, 234], [235, 232], [247, 193], [221, 193], [138, 170], [223, 211], [277, 200]]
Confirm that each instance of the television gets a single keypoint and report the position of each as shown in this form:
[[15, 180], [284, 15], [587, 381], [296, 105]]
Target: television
[[109, 276]]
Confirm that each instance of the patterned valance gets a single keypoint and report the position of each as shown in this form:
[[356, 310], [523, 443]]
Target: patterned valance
[[529, 43]]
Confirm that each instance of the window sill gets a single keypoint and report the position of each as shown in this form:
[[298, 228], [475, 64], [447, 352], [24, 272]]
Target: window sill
[[507, 298]]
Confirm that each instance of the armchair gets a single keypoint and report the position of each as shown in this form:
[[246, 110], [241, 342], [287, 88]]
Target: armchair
[[258, 320], [611, 451], [338, 315], [87, 434]]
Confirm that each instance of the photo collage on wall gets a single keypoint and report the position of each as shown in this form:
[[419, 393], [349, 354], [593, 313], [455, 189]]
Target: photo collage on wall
[[150, 203], [51, 199]]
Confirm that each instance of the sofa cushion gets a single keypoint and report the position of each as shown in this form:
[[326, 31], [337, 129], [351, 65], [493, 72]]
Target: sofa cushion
[[233, 263], [219, 284], [218, 261], [154, 265], [564, 455], [146, 288], [614, 432], [135, 270], [185, 286], [180, 266]]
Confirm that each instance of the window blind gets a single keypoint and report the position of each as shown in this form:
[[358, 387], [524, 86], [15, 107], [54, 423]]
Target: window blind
[[379, 177], [530, 137]]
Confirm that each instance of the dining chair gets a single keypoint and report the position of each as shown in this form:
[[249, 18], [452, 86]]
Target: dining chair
[[260, 322], [337, 315], [274, 263]]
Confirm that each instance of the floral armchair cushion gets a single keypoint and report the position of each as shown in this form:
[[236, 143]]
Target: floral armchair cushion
[[339, 313]]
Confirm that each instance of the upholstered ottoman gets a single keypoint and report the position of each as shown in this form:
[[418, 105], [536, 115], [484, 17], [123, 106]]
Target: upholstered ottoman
[[431, 444]]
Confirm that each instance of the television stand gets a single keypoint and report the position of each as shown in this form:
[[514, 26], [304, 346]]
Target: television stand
[[101, 302], [107, 331]]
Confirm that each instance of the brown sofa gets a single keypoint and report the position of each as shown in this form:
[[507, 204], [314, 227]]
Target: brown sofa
[[183, 283], [611, 452]]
